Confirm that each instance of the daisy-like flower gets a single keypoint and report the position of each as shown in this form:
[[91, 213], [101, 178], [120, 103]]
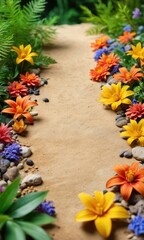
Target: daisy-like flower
[[128, 178], [30, 79], [126, 76], [137, 51], [115, 95], [109, 60], [15, 89], [126, 37], [19, 126], [134, 132], [135, 111], [5, 134], [20, 107], [99, 73], [24, 53], [100, 42], [101, 209]]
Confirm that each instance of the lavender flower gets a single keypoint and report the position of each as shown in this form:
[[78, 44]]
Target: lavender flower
[[12, 152], [136, 13], [110, 41], [99, 53], [46, 207], [137, 225], [134, 101], [115, 69], [127, 28], [127, 47]]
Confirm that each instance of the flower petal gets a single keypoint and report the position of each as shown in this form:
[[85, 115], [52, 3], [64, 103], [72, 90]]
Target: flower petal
[[139, 187], [88, 201], [108, 200], [126, 190], [104, 225], [85, 216], [114, 181], [118, 212]]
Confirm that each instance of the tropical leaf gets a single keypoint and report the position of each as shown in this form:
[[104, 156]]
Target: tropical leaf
[[39, 218], [14, 231]]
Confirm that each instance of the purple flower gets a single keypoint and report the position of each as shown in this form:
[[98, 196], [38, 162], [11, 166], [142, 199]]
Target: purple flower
[[99, 53], [127, 47], [136, 13], [134, 101], [137, 225], [12, 152], [127, 28], [110, 41], [46, 207], [115, 69]]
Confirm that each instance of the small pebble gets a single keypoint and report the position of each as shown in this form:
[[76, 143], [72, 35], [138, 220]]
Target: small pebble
[[128, 154], [20, 166], [45, 100], [29, 162], [122, 153]]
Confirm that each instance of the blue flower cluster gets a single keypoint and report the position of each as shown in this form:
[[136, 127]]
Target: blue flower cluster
[[12, 152], [99, 53], [46, 207], [137, 225]]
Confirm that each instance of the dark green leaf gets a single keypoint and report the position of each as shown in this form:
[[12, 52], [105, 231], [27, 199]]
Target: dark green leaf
[[26, 204], [34, 231], [3, 219], [13, 231], [39, 218], [7, 197]]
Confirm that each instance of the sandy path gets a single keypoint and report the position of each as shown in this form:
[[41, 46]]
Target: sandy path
[[74, 140]]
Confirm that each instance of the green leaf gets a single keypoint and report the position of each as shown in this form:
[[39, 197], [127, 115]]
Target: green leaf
[[7, 197], [3, 219], [34, 231], [39, 218], [13, 231], [26, 204]]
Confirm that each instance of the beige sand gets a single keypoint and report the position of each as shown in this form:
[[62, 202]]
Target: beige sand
[[74, 140]]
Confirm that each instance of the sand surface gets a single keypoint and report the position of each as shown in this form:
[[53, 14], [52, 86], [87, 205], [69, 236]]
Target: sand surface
[[74, 140]]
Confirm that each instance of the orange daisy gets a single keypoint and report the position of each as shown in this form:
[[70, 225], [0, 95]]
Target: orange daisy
[[126, 37], [109, 60], [15, 89], [20, 107], [100, 42], [30, 79], [99, 73], [128, 178], [126, 76]]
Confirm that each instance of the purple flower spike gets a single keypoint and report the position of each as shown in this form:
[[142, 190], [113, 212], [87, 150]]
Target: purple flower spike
[[136, 13], [46, 207]]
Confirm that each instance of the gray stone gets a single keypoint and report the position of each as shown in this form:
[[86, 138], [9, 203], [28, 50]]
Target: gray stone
[[138, 153], [29, 162], [3, 169], [120, 123], [3, 183], [128, 154], [32, 180], [12, 164], [26, 151], [5, 162], [35, 71], [34, 113], [1, 146], [20, 166], [12, 173], [111, 80]]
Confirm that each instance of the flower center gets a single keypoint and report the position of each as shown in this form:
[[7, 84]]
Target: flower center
[[128, 75], [108, 60], [99, 209], [130, 175], [23, 55], [19, 109]]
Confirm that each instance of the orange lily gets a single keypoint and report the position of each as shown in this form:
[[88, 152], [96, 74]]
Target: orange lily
[[126, 76], [109, 60], [20, 107], [100, 42], [126, 37], [128, 178], [24, 53]]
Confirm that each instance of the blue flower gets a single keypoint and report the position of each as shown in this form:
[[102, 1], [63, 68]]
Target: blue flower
[[134, 101], [127, 47], [127, 28], [110, 41], [12, 152], [115, 69], [46, 207], [137, 225], [99, 53], [136, 13]]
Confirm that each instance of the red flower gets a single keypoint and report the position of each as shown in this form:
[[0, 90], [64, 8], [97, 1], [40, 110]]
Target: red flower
[[5, 134], [15, 89], [99, 73], [135, 111], [30, 79]]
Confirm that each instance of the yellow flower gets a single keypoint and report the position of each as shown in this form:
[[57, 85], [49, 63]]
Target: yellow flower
[[102, 210], [19, 126], [24, 53], [137, 51], [115, 95], [134, 132]]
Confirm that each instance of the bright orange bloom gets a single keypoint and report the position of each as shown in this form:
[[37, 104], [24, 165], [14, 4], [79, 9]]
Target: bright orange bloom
[[19, 126], [100, 42], [30, 79], [128, 178], [126, 76], [99, 73], [126, 37], [109, 60], [15, 89], [20, 107]]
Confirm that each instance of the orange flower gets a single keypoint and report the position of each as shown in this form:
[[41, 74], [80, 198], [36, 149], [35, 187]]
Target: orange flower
[[20, 107], [15, 89], [100, 42], [99, 73], [30, 79], [19, 126], [126, 76], [126, 37], [109, 60], [128, 178]]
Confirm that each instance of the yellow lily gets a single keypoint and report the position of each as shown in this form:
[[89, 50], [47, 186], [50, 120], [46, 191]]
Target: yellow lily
[[19, 126], [137, 51], [115, 95], [24, 53], [102, 209]]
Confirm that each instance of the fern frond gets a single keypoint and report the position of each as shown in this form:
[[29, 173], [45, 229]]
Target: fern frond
[[5, 41]]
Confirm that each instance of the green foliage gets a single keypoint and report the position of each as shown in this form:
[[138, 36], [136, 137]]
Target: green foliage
[[6, 41], [139, 92], [42, 60], [17, 216]]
